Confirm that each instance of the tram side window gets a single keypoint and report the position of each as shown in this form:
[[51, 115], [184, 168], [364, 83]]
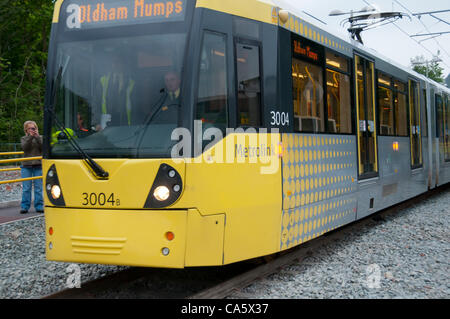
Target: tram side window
[[447, 128], [401, 110], [212, 87], [392, 106], [338, 94], [439, 118], [425, 118], [386, 105], [249, 84], [308, 97], [414, 111]]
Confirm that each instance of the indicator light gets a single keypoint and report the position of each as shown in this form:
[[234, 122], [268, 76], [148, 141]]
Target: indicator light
[[50, 231], [395, 146], [280, 149], [170, 236]]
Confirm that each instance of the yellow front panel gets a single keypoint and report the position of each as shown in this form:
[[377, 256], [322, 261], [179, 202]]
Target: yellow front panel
[[130, 181], [244, 186], [204, 241], [117, 237]]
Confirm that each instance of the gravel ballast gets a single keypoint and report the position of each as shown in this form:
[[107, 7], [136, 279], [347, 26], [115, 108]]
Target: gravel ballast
[[405, 255]]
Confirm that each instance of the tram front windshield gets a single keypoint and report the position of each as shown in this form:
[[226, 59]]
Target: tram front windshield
[[116, 95]]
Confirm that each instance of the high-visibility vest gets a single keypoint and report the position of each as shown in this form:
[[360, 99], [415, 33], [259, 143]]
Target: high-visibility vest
[[54, 139], [105, 84]]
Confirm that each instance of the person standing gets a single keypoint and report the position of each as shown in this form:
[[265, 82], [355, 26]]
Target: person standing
[[116, 100], [32, 147]]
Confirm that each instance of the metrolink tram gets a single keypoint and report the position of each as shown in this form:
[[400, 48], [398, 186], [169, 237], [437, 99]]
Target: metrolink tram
[[185, 133]]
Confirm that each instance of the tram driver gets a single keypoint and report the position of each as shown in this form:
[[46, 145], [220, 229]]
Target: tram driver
[[116, 100]]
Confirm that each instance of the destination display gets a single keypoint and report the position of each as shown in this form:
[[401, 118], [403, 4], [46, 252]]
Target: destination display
[[85, 14], [307, 50]]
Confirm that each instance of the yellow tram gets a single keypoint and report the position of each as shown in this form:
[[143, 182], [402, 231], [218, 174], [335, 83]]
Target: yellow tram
[[199, 133]]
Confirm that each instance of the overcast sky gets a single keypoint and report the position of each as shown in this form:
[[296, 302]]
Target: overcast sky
[[389, 40]]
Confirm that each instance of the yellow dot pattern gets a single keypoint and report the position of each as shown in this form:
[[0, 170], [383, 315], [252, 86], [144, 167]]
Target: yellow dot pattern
[[319, 185], [311, 32]]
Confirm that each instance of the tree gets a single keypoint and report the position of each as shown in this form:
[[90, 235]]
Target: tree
[[24, 37], [430, 69]]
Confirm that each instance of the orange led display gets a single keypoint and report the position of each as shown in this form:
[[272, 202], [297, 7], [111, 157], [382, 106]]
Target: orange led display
[[305, 51], [89, 14]]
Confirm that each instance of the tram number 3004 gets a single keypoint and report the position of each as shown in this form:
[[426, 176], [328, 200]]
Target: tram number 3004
[[101, 199], [279, 118]]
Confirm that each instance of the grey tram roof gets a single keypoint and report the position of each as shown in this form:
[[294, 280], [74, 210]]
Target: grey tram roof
[[297, 12]]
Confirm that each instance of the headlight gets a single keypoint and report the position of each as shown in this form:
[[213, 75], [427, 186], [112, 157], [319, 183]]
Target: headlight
[[161, 193], [56, 192], [53, 188], [166, 189]]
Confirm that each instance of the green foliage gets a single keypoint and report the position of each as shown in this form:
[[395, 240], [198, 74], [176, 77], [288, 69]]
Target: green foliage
[[24, 36], [432, 69]]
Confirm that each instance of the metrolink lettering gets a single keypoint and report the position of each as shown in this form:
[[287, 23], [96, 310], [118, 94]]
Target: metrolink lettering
[[251, 151], [101, 13]]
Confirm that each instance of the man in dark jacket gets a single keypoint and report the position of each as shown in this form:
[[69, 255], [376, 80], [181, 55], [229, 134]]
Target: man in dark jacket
[[32, 147]]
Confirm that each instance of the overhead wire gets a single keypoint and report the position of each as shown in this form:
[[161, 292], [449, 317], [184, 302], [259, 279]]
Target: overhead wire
[[409, 36], [426, 28]]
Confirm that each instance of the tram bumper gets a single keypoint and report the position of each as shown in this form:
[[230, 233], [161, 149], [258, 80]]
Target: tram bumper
[[116, 237]]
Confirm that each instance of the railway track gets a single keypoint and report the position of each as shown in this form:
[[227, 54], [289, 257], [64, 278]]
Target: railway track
[[215, 282]]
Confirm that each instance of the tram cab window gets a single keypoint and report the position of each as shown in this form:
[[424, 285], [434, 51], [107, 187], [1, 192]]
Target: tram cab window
[[249, 84], [212, 83], [338, 94]]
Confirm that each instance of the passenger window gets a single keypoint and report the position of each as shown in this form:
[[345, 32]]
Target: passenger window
[[212, 103], [439, 118], [401, 113], [392, 106], [308, 92], [249, 84], [308, 97], [447, 128], [414, 111], [386, 105], [443, 124], [338, 94], [425, 118]]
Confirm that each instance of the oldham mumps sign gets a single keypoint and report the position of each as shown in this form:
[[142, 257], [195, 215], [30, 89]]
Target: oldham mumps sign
[[83, 14]]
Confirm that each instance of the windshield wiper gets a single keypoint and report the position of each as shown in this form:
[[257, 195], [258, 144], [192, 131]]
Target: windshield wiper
[[149, 119], [98, 171]]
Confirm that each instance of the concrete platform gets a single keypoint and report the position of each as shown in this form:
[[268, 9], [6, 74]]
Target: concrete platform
[[10, 211]]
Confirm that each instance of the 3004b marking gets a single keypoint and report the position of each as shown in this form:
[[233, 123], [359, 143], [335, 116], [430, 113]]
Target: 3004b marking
[[101, 199]]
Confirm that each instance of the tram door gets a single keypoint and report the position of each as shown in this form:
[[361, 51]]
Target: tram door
[[365, 112]]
